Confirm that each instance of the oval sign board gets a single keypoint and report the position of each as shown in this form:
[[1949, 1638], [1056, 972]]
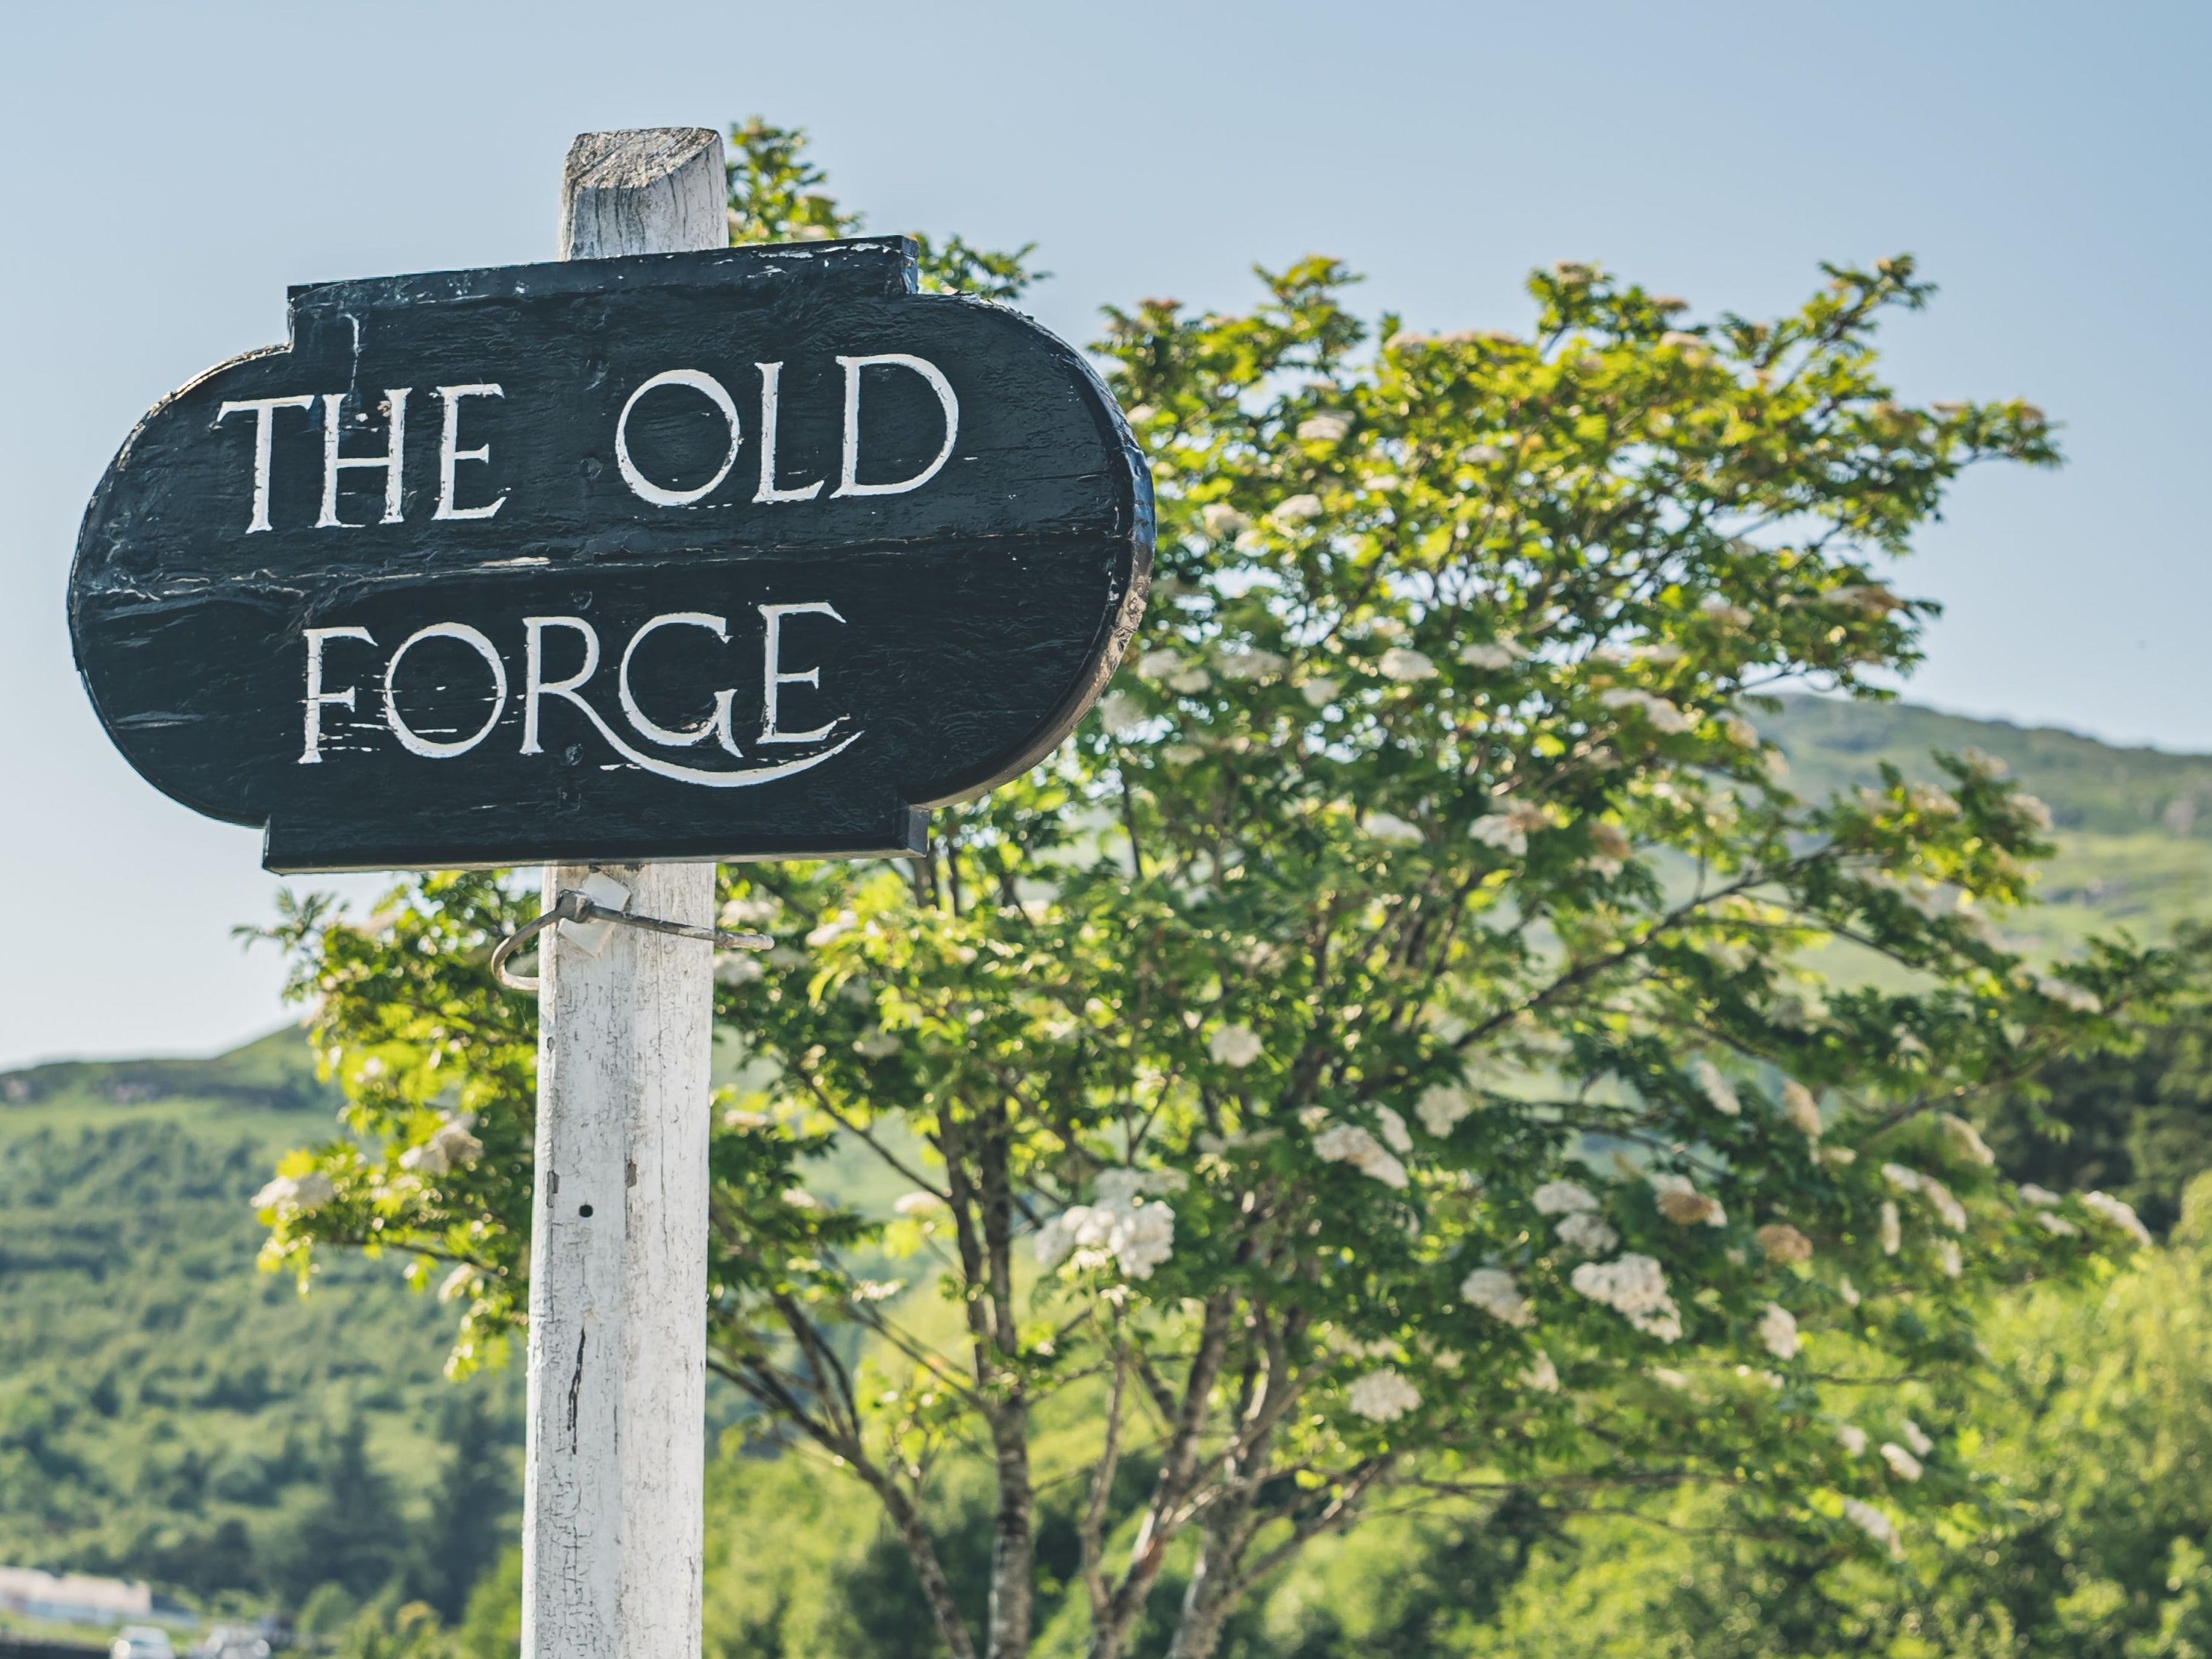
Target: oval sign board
[[750, 553]]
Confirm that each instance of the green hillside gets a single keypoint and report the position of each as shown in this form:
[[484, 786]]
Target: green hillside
[[167, 1412], [2134, 825]]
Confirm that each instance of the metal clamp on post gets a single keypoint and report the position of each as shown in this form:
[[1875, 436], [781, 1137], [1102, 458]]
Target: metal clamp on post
[[575, 905]]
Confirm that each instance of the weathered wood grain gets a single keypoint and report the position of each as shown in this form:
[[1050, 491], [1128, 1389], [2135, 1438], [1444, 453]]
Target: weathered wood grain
[[615, 1499], [658, 190]]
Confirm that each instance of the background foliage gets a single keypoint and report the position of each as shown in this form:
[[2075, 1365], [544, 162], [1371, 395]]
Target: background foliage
[[128, 1310]]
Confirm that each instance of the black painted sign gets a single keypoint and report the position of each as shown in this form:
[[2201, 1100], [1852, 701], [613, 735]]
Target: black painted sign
[[751, 553]]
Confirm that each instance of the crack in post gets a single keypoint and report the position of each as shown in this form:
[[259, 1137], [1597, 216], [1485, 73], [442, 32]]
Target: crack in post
[[575, 1387]]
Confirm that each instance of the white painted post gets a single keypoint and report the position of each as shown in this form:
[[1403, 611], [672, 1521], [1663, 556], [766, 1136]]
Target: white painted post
[[614, 1489]]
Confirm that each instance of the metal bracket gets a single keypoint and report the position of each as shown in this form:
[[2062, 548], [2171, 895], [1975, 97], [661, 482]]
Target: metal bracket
[[586, 923]]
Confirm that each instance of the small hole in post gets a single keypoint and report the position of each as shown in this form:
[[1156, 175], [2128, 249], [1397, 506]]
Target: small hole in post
[[584, 1209]]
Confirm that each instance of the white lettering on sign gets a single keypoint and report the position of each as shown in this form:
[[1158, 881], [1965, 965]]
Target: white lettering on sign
[[312, 753], [450, 455], [774, 677], [537, 688], [770, 373], [414, 742], [716, 726], [395, 409], [848, 482], [265, 410], [643, 487]]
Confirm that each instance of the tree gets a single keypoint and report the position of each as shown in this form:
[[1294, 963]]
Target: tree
[[470, 1508], [2140, 1126], [351, 1535], [1370, 1063]]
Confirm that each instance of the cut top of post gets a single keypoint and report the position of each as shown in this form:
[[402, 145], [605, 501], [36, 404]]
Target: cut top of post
[[658, 189]]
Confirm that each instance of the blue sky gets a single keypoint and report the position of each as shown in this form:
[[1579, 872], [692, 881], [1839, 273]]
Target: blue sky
[[170, 169]]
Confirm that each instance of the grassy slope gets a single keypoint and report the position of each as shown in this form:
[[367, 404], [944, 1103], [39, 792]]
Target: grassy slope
[[152, 1385], [2134, 825]]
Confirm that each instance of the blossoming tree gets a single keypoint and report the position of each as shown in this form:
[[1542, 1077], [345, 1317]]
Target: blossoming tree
[[1374, 1061]]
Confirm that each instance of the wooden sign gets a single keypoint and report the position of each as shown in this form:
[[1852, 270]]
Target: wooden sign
[[747, 553]]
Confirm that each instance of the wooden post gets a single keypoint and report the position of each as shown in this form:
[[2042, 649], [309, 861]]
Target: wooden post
[[614, 1489]]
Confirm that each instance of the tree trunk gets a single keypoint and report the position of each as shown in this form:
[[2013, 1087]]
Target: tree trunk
[[923, 1553], [1207, 1602], [1012, 1543]]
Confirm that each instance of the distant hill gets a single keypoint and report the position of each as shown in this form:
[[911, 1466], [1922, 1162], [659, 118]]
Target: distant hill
[[276, 1074], [2134, 825], [166, 1411], [2089, 785]]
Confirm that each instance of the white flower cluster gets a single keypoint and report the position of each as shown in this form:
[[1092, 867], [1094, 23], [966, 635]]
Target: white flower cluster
[[305, 1193], [1121, 1227], [1394, 1135], [1873, 1523], [1441, 1107], [1235, 1045], [1716, 1088], [1541, 1375], [1945, 1202], [1869, 597], [913, 1206], [2044, 1200], [1406, 665], [1783, 1243], [1610, 850], [1169, 667], [757, 910], [1964, 1140], [1801, 1109], [1589, 1234], [1635, 1287], [1778, 1331], [1393, 830], [451, 1146], [1493, 1290], [1348, 1143], [1383, 1396], [1563, 1197], [1325, 426], [737, 967], [1119, 713], [1683, 1203], [2119, 1214], [1494, 657], [1249, 663], [1852, 1438], [1509, 828], [1721, 610], [1902, 1463], [1660, 714]]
